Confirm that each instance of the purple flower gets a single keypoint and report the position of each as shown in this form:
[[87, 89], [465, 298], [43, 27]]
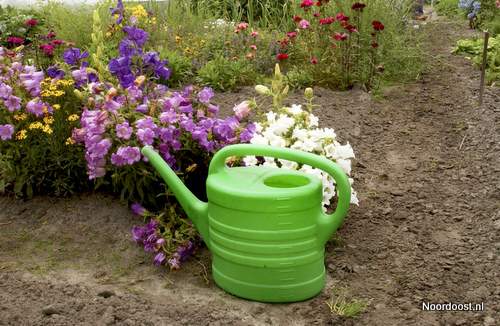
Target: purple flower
[[5, 91], [168, 117], [73, 56], [123, 130], [205, 95], [6, 131], [137, 209], [126, 156], [13, 103], [35, 107], [174, 263], [146, 136], [137, 35], [146, 123], [128, 48], [143, 108], [55, 72], [159, 259], [101, 148], [247, 134], [118, 11], [138, 233]]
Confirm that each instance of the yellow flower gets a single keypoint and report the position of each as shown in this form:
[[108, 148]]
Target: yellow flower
[[48, 120], [20, 135], [70, 141], [56, 106], [53, 88], [46, 129], [20, 117], [35, 125], [59, 93], [178, 39], [73, 117]]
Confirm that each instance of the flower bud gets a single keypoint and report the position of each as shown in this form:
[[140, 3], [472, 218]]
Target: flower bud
[[78, 94], [262, 90], [309, 93], [139, 81]]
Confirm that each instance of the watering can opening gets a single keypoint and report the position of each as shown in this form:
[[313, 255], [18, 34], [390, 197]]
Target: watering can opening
[[286, 181]]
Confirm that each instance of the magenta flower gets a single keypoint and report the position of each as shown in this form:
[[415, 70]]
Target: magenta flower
[[6, 131], [304, 24]]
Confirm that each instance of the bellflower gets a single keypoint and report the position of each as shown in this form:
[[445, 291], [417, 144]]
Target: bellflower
[[6, 131], [73, 56]]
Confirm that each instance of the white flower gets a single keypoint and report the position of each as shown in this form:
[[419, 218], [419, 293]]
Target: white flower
[[258, 128], [297, 145], [259, 140], [250, 161], [291, 165], [300, 134], [271, 116], [277, 141], [345, 165], [344, 151], [295, 109], [270, 162], [309, 145], [313, 120], [329, 133]]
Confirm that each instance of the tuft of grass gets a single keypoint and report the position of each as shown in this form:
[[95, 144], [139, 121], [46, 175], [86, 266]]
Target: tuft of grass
[[344, 306]]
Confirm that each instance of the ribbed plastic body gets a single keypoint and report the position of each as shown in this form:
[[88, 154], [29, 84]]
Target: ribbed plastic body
[[263, 233]]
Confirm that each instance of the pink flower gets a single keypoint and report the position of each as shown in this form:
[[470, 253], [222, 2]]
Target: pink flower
[[47, 49], [253, 47], [316, 14], [291, 34], [254, 34], [498, 3], [340, 36], [326, 21], [15, 40], [314, 60], [306, 4], [341, 17], [242, 110], [282, 56], [31, 22], [241, 27], [304, 24]]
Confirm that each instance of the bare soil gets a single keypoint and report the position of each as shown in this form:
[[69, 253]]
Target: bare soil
[[427, 228]]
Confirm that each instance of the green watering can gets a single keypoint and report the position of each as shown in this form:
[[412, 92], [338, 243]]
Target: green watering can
[[264, 226]]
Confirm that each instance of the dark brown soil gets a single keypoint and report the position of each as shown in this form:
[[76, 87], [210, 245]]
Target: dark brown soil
[[427, 228]]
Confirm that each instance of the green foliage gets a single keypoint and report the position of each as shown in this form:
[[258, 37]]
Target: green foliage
[[71, 23], [448, 8], [344, 306], [180, 65], [298, 78], [474, 47], [13, 23], [223, 74]]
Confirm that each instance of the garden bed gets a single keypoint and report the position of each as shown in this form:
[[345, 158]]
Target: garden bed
[[427, 173]]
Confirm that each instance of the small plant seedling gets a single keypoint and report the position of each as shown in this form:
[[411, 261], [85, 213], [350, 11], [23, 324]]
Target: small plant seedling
[[343, 306]]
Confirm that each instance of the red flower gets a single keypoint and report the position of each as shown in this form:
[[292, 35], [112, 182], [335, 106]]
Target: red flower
[[340, 36], [374, 45], [351, 29], [284, 42], [318, 3], [359, 6], [297, 18], [306, 3], [341, 17], [291, 34], [31, 22], [378, 26], [15, 40], [316, 14], [282, 56], [314, 60], [327, 21], [51, 35], [57, 42], [47, 49]]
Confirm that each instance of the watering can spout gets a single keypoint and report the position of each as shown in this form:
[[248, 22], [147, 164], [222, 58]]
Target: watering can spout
[[196, 209]]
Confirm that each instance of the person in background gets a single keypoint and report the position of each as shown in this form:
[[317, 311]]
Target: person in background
[[472, 8], [419, 10]]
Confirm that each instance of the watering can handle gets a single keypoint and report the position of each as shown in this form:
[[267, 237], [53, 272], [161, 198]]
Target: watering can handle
[[330, 222]]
